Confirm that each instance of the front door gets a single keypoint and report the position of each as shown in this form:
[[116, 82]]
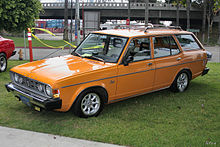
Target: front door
[[138, 76]]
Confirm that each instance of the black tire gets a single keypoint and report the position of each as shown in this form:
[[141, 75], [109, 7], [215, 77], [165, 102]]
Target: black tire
[[84, 107], [3, 62], [181, 82]]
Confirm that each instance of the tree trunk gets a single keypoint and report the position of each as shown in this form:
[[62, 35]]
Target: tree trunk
[[177, 13], [65, 34], [204, 21], [146, 12], [209, 20], [188, 13], [219, 31]]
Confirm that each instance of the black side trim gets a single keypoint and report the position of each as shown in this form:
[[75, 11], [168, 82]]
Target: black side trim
[[13, 53]]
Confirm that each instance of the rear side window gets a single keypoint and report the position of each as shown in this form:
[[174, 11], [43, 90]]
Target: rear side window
[[188, 42], [165, 46]]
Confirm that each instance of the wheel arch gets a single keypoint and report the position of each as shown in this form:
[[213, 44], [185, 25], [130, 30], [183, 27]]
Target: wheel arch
[[4, 53], [187, 70], [103, 90]]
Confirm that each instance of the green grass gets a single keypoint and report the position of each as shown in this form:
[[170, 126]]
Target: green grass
[[19, 42], [158, 119]]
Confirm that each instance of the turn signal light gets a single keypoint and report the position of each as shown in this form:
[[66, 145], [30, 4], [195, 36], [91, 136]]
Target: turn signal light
[[56, 93]]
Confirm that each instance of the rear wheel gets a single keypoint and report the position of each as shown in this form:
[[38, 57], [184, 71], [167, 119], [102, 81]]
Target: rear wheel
[[3, 62], [181, 82], [89, 103]]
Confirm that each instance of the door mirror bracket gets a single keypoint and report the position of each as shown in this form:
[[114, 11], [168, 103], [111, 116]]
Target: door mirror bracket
[[127, 60]]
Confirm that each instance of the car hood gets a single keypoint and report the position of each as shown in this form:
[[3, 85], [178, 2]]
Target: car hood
[[53, 69]]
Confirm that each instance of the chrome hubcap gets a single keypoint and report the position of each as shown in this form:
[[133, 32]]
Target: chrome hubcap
[[182, 82], [90, 104], [2, 63]]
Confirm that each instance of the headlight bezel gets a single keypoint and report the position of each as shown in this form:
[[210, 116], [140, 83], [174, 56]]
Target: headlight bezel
[[49, 91], [16, 77]]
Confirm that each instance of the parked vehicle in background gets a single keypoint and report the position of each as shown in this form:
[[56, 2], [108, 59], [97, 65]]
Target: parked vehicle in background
[[7, 48], [110, 66]]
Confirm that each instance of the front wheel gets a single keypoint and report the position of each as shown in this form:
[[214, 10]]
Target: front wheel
[[3, 62], [181, 82], [89, 103]]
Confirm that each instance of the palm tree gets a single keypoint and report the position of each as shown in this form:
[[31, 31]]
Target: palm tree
[[65, 34]]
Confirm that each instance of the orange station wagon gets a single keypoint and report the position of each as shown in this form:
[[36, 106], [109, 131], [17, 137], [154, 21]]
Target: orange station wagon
[[110, 66]]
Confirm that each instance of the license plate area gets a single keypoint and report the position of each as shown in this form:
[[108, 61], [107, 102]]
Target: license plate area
[[25, 100]]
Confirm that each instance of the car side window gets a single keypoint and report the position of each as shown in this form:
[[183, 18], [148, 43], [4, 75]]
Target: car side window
[[188, 42], [139, 49], [165, 46]]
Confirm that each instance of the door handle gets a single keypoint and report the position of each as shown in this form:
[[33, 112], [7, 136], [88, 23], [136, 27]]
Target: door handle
[[178, 58], [149, 64]]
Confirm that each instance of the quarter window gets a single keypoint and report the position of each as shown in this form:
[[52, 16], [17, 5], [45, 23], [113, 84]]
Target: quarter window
[[188, 42], [165, 46]]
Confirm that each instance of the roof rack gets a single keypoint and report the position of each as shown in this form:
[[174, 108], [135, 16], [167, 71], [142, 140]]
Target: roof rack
[[131, 26], [159, 26], [148, 27]]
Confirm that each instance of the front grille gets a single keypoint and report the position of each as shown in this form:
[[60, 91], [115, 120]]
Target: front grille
[[29, 84]]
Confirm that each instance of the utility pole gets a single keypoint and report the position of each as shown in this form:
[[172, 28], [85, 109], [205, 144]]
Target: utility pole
[[129, 11], [65, 35], [177, 13], [77, 24], [71, 23], [146, 12], [188, 5]]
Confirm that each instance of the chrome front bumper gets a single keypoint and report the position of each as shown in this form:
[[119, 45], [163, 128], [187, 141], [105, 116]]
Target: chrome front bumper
[[33, 100]]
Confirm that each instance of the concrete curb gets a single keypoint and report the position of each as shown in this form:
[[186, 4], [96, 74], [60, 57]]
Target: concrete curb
[[10, 137]]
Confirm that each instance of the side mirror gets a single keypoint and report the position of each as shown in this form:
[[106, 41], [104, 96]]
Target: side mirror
[[127, 60]]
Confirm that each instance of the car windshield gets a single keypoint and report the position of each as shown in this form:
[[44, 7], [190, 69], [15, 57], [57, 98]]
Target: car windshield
[[106, 48]]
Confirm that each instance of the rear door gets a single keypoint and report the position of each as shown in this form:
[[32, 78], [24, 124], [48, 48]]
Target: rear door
[[168, 59]]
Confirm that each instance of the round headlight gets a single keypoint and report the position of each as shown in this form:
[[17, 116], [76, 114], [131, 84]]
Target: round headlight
[[40, 87], [16, 77], [48, 90], [20, 80]]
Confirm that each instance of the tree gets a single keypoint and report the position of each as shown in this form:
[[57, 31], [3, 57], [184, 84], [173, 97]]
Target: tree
[[18, 15], [65, 34], [213, 9]]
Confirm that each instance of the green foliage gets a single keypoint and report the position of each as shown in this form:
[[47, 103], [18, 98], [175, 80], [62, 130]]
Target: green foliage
[[17, 15], [216, 7]]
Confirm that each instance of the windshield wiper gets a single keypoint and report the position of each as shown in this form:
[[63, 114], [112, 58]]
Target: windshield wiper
[[94, 57], [76, 54]]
